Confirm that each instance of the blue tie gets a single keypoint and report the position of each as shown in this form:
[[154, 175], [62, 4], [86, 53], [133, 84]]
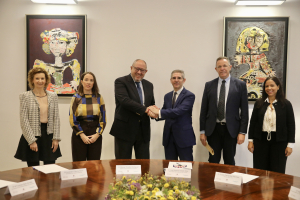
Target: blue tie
[[139, 89]]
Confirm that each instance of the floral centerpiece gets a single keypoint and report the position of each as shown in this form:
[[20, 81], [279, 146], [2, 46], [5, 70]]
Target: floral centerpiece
[[152, 187]]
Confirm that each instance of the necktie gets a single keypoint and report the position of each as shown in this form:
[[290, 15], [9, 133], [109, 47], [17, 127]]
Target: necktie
[[221, 104], [139, 89], [174, 99]]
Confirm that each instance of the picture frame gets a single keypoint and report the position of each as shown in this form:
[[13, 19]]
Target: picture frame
[[57, 43], [257, 49]]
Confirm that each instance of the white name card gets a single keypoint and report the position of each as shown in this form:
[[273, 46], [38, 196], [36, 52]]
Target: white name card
[[294, 193], [180, 165], [73, 182], [229, 187], [228, 178], [129, 171], [184, 174], [73, 174], [21, 187]]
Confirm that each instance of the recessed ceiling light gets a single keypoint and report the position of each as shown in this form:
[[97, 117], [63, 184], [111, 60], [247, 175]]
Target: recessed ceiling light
[[55, 1], [259, 2]]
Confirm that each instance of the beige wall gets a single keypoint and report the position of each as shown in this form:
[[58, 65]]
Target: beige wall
[[168, 34]]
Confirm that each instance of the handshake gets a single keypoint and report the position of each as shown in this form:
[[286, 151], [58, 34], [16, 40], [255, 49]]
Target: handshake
[[152, 111]]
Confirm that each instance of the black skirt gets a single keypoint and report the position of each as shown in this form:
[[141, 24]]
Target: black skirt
[[44, 152]]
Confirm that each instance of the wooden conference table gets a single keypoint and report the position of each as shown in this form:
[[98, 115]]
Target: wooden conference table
[[269, 185]]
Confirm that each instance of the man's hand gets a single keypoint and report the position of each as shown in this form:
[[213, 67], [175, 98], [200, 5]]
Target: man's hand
[[251, 147], [153, 111], [240, 138], [203, 139]]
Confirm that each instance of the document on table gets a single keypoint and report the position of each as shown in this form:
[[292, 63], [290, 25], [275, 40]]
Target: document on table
[[4, 183], [52, 168], [246, 177]]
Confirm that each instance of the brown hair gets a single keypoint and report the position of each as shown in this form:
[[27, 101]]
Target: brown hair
[[95, 89], [33, 72]]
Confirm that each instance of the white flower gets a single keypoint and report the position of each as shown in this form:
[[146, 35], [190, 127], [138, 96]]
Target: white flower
[[184, 194], [159, 193]]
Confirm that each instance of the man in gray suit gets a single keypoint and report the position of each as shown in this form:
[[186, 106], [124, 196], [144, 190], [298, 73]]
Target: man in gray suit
[[224, 113]]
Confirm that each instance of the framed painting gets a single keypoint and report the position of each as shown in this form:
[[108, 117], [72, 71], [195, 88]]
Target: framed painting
[[257, 49], [57, 43]]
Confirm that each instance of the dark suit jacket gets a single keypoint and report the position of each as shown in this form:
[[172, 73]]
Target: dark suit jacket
[[285, 121], [130, 113], [236, 107], [179, 119]]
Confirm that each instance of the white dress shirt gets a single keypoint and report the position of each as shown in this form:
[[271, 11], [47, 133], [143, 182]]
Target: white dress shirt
[[177, 95]]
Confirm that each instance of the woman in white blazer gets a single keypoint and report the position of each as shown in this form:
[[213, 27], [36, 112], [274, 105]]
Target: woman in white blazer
[[39, 118]]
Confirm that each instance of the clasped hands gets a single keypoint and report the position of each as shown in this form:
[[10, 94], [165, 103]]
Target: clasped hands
[[152, 111], [89, 139]]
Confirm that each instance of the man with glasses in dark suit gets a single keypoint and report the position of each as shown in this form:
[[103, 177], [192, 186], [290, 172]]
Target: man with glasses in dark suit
[[131, 126]]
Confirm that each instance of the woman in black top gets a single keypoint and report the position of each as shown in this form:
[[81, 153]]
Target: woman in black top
[[272, 128]]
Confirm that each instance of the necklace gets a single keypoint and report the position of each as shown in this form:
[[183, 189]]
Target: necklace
[[39, 96]]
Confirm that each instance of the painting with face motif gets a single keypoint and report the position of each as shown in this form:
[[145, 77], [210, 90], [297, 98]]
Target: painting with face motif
[[57, 44], [257, 49]]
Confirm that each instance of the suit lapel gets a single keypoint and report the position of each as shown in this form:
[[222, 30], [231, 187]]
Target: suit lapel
[[180, 97], [231, 89], [214, 90], [133, 88]]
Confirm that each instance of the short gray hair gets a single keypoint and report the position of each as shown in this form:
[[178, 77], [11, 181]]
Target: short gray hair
[[178, 71], [223, 57], [138, 60]]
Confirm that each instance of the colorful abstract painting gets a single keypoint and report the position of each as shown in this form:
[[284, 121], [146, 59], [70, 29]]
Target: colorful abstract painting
[[58, 44], [257, 49]]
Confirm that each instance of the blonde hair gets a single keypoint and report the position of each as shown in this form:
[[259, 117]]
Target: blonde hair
[[35, 71]]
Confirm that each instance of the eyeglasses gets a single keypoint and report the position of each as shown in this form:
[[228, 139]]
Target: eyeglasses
[[139, 69]]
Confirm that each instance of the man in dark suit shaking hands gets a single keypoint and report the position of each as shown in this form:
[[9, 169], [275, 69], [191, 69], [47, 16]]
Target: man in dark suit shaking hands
[[224, 113], [178, 135], [131, 126]]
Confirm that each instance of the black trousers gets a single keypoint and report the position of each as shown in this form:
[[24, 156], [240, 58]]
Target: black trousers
[[123, 149], [269, 155], [173, 151], [220, 140], [82, 151]]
